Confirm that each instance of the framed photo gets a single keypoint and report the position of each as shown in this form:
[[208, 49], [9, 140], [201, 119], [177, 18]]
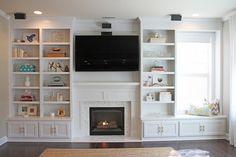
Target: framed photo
[[30, 37], [61, 112], [32, 110], [22, 110], [151, 97]]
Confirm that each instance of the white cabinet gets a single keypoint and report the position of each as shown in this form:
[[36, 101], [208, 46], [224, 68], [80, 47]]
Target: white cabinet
[[160, 129], [214, 127], [157, 72], [23, 129], [54, 129]]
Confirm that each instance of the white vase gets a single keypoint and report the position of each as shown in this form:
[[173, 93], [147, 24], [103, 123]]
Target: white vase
[[27, 81]]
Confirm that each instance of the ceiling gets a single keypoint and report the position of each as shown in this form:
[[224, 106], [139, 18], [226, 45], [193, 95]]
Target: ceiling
[[127, 9]]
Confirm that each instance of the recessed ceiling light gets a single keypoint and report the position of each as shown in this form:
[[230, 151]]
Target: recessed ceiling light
[[195, 15], [37, 12]]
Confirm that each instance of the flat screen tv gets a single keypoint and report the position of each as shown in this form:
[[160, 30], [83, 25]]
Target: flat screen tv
[[106, 53]]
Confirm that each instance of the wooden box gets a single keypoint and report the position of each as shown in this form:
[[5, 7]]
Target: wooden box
[[56, 54]]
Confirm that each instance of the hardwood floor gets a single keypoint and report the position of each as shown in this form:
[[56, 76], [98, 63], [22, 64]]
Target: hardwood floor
[[217, 148]]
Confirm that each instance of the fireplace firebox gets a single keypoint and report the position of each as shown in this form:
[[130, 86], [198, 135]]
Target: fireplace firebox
[[106, 120]]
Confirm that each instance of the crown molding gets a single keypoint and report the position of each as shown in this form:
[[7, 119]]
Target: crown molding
[[227, 16], [3, 14]]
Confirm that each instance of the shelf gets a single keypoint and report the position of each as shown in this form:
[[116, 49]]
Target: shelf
[[26, 102], [158, 44], [56, 58], [25, 58], [159, 58], [161, 87], [27, 44], [107, 83], [158, 102], [56, 102], [56, 43], [33, 118], [159, 72], [26, 73], [23, 87], [53, 87], [45, 40], [56, 73]]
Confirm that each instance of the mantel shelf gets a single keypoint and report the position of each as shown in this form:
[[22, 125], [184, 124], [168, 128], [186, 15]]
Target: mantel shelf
[[161, 44], [107, 83]]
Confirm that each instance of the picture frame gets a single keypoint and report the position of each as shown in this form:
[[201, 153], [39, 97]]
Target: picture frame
[[30, 37], [32, 110], [151, 97], [22, 110], [61, 112]]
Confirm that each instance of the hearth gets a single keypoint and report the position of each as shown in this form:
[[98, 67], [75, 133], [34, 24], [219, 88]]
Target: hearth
[[106, 120]]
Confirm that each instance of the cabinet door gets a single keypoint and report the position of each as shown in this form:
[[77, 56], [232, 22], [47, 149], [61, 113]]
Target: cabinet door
[[151, 129], [15, 129], [190, 128], [46, 129], [214, 127], [31, 129], [62, 129], [169, 128]]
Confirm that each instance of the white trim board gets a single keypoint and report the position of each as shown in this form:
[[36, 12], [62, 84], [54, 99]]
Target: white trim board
[[3, 140]]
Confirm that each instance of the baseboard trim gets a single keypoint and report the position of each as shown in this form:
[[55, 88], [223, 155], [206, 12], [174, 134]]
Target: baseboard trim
[[3, 140]]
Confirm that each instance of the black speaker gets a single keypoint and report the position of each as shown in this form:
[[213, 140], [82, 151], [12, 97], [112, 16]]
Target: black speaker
[[106, 33], [106, 25], [176, 17], [20, 16]]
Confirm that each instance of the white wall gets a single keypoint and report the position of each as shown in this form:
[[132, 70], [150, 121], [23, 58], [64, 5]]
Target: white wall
[[4, 78]]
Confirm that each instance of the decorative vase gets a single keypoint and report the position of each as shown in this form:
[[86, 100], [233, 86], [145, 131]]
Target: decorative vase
[[27, 81]]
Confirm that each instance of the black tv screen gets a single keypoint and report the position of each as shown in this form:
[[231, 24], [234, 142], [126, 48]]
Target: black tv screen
[[106, 53]]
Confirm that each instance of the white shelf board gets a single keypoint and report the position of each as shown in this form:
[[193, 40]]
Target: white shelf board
[[107, 83], [33, 118], [56, 58], [158, 44], [23, 87], [178, 117], [56, 73], [25, 58], [53, 87], [25, 43], [26, 102], [159, 58], [56, 43], [56, 102], [159, 87], [158, 102], [159, 72], [25, 73]]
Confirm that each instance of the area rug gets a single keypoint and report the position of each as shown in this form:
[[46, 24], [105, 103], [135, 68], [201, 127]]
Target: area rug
[[112, 152], [193, 153]]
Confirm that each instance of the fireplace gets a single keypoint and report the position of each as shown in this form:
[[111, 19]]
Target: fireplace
[[106, 120]]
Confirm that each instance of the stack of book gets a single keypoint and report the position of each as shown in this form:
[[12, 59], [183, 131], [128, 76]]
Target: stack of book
[[157, 68]]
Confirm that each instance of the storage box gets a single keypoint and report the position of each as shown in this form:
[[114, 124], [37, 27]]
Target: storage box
[[26, 68], [56, 54], [157, 40], [165, 96]]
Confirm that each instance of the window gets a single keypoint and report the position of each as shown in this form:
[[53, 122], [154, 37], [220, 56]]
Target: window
[[195, 69]]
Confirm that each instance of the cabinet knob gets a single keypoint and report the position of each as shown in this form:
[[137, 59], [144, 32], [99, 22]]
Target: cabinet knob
[[161, 129], [54, 130]]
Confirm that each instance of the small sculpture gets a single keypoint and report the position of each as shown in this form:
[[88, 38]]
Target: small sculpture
[[27, 81]]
